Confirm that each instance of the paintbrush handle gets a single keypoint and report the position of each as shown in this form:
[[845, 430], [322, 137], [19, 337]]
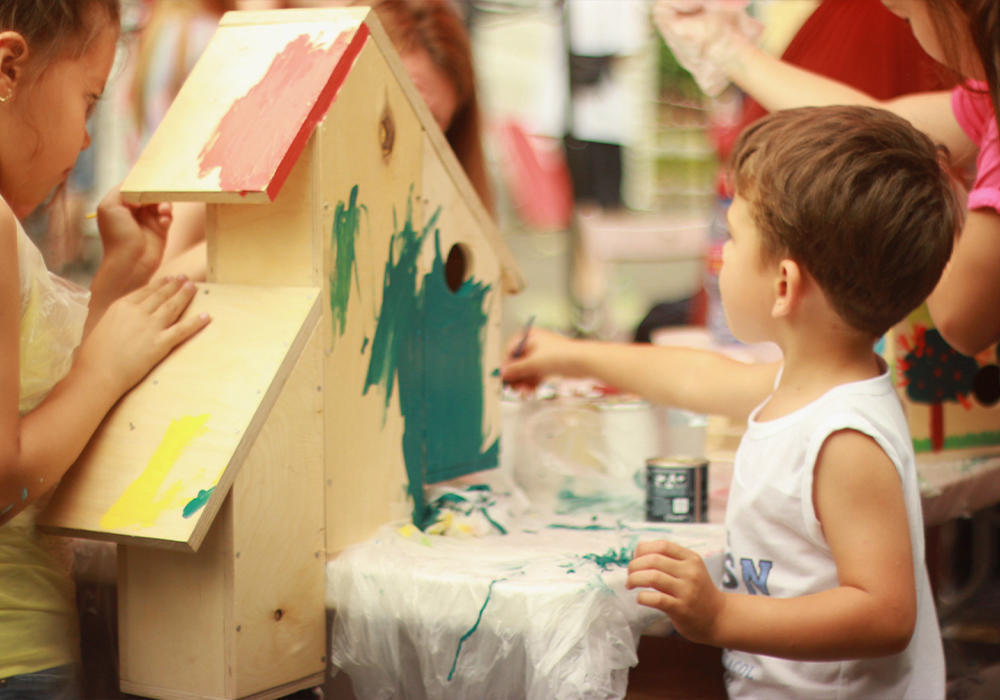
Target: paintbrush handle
[[519, 349]]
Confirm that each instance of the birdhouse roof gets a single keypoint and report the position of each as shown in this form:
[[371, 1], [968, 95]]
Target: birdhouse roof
[[246, 111]]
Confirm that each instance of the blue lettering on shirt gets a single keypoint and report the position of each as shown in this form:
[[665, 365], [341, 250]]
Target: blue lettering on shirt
[[756, 579]]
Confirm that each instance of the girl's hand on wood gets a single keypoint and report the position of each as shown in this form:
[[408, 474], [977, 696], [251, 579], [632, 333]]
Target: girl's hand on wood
[[140, 329], [677, 583], [133, 236]]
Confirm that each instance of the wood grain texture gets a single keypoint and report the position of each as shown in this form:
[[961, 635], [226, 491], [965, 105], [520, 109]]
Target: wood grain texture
[[250, 102], [243, 616], [229, 375]]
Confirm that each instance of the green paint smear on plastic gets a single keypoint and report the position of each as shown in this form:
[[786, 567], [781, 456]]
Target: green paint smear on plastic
[[430, 340], [611, 558], [471, 630], [346, 224], [500, 528], [198, 502], [562, 526]]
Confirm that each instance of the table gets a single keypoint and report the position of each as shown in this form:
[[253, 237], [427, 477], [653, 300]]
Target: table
[[540, 612]]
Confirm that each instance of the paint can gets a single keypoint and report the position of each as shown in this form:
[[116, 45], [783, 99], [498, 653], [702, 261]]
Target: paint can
[[677, 489]]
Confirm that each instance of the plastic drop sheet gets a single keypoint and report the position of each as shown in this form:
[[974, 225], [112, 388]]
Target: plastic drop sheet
[[53, 312], [538, 611]]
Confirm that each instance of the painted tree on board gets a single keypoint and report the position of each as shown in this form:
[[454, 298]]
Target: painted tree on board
[[934, 372]]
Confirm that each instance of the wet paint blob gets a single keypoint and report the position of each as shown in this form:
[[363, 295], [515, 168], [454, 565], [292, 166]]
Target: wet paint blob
[[198, 502]]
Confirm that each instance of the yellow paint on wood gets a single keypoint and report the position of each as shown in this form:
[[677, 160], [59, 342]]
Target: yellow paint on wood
[[144, 500]]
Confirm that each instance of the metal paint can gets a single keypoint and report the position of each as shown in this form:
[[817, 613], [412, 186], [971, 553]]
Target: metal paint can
[[677, 489]]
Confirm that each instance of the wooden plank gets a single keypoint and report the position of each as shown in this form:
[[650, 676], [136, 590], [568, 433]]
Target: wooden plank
[[161, 463], [274, 244], [207, 624], [363, 205], [279, 575], [172, 636], [513, 281], [244, 114]]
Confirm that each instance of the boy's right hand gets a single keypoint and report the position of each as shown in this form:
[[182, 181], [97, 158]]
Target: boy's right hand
[[544, 354], [140, 329]]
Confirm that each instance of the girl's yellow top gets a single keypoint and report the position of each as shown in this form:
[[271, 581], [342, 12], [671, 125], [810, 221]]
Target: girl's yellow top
[[38, 620]]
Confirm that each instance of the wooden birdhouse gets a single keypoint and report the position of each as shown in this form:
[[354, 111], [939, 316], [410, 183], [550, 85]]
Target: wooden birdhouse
[[355, 285], [950, 398]]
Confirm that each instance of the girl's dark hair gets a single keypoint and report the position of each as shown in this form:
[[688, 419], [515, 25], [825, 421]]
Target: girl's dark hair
[[58, 27], [982, 23]]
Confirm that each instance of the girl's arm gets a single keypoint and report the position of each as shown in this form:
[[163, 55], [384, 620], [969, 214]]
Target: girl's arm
[[184, 251], [136, 332], [776, 85], [964, 303], [872, 612], [697, 380]]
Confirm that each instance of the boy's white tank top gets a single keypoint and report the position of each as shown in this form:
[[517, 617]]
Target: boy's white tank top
[[775, 546]]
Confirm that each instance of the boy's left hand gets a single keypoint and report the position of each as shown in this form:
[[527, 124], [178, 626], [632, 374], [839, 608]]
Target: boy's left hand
[[680, 586], [133, 236]]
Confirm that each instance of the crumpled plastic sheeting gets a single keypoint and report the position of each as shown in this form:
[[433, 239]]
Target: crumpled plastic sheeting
[[53, 312], [539, 613], [575, 454], [700, 34]]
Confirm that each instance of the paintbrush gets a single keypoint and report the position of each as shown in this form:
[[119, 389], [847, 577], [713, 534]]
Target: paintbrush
[[519, 348]]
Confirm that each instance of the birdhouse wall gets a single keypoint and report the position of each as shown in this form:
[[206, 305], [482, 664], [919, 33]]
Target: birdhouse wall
[[414, 363], [245, 614], [372, 209], [162, 461], [950, 399], [278, 243]]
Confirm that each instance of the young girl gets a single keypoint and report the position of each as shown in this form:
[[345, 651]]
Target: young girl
[[55, 58], [964, 35]]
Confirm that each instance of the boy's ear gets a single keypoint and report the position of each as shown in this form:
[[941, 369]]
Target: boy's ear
[[13, 59], [787, 288]]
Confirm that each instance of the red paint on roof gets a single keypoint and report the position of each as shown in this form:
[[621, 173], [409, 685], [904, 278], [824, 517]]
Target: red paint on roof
[[259, 139]]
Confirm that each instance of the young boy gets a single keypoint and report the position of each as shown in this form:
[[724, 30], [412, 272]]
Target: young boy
[[842, 223]]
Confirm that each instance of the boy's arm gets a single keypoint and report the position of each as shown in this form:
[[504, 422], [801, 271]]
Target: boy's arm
[[871, 612], [697, 380]]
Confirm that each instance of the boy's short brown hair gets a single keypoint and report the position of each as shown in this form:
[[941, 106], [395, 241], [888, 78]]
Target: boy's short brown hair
[[858, 197]]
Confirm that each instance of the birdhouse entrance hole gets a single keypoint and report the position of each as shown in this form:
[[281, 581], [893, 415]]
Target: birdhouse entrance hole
[[456, 267]]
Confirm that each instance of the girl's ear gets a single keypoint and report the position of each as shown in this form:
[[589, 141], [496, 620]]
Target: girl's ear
[[13, 59], [787, 288]]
